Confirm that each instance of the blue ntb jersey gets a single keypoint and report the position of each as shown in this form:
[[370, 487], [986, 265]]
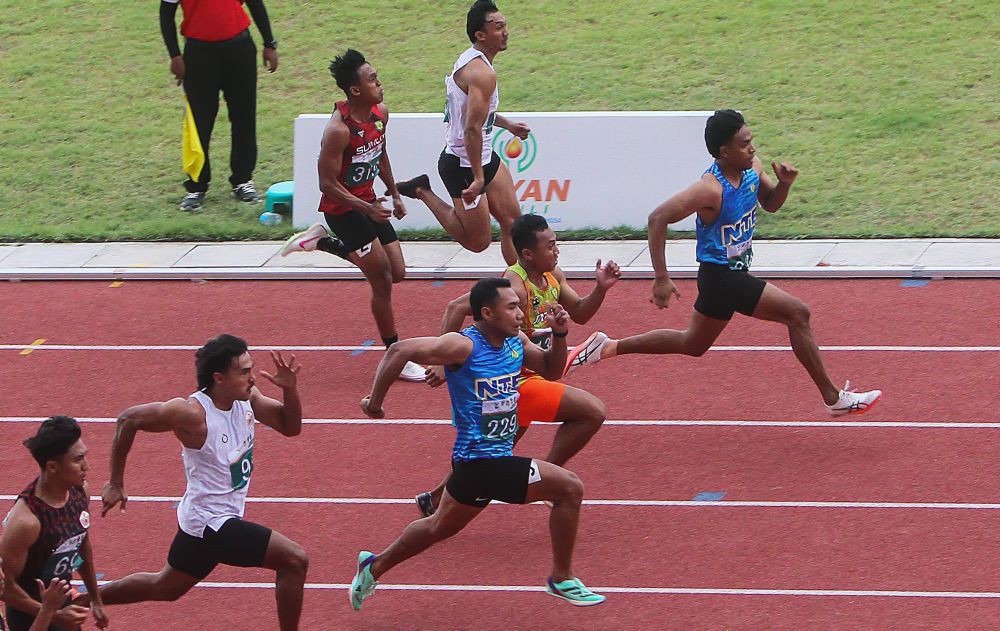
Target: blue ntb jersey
[[484, 398], [729, 241]]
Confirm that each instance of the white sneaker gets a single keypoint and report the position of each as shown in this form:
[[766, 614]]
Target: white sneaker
[[413, 372], [305, 241], [853, 402], [587, 353]]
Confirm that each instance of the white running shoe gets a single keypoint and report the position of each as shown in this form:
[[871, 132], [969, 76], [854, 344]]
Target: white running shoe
[[853, 402], [587, 353], [305, 241], [413, 372]]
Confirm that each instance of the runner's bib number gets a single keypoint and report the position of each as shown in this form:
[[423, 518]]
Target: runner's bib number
[[240, 470], [361, 172], [499, 419], [740, 255], [65, 560]]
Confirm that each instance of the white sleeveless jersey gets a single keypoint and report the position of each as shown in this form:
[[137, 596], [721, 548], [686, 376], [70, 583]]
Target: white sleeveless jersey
[[454, 116], [218, 474]]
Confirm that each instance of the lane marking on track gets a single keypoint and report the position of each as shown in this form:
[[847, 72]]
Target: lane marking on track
[[376, 501], [27, 350], [614, 423], [667, 591], [292, 347]]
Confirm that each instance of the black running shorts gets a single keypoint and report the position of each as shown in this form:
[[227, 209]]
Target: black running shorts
[[723, 291], [458, 178], [506, 479], [238, 542], [357, 230]]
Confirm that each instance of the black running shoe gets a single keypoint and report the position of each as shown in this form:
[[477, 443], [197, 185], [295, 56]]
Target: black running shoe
[[424, 500], [193, 201], [409, 187], [246, 192]]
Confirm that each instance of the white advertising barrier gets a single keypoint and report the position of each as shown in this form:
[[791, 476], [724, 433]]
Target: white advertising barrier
[[577, 169]]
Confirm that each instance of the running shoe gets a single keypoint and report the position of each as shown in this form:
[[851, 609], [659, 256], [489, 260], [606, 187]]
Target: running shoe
[[851, 402], [305, 241], [364, 583], [587, 353], [409, 187], [413, 371], [573, 591], [193, 201], [246, 192], [425, 504]]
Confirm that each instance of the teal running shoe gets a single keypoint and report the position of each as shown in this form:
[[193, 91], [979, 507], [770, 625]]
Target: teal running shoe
[[364, 583], [574, 592]]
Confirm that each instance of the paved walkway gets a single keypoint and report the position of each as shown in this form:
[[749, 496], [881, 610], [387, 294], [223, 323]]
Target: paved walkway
[[932, 258]]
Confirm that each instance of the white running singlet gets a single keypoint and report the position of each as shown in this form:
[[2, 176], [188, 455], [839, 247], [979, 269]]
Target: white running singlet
[[454, 117], [218, 474]]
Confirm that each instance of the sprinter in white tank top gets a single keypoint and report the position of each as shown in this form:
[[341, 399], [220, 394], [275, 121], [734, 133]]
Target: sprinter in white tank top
[[215, 426], [478, 183]]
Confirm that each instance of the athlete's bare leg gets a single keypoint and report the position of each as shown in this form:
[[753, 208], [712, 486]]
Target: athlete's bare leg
[[290, 563], [167, 584], [470, 227], [450, 518], [376, 267], [505, 209], [396, 263], [564, 490], [581, 415], [776, 305], [695, 340]]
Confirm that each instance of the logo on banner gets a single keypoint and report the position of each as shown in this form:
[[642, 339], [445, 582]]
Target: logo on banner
[[517, 154], [535, 196]]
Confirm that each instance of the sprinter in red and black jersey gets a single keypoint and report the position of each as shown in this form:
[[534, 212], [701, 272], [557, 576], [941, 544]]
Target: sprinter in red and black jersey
[[352, 155], [45, 535]]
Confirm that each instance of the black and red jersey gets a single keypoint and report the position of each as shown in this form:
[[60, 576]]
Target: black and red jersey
[[359, 165], [56, 552]]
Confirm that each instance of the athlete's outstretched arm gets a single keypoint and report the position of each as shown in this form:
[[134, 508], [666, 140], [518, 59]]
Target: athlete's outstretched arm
[[772, 197], [581, 310], [521, 130], [177, 415], [551, 363], [454, 316], [284, 416], [89, 576], [385, 170], [700, 196], [447, 350]]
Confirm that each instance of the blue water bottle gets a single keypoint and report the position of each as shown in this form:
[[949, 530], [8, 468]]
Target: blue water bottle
[[270, 219]]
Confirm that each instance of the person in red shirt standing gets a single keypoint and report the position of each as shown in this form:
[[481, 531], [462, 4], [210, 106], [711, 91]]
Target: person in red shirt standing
[[219, 54], [351, 156]]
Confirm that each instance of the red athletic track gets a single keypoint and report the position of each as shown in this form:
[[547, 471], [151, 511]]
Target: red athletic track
[[693, 547]]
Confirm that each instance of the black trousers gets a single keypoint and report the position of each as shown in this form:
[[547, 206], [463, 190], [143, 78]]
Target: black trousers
[[229, 66]]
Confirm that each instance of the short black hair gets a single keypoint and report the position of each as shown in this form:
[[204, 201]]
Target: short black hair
[[216, 356], [476, 20], [720, 129], [484, 293], [344, 68], [53, 439], [524, 231]]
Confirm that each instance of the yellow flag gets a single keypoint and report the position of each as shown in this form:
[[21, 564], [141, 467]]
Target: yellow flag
[[194, 156]]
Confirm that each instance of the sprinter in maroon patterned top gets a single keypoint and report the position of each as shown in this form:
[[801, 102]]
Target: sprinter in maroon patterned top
[[45, 535], [352, 154]]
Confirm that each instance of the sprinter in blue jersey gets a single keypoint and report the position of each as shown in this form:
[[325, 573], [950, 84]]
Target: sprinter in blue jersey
[[726, 199], [482, 365]]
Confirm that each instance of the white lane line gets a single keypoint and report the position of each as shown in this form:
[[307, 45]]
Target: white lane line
[[752, 349], [370, 501], [618, 423], [711, 591]]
